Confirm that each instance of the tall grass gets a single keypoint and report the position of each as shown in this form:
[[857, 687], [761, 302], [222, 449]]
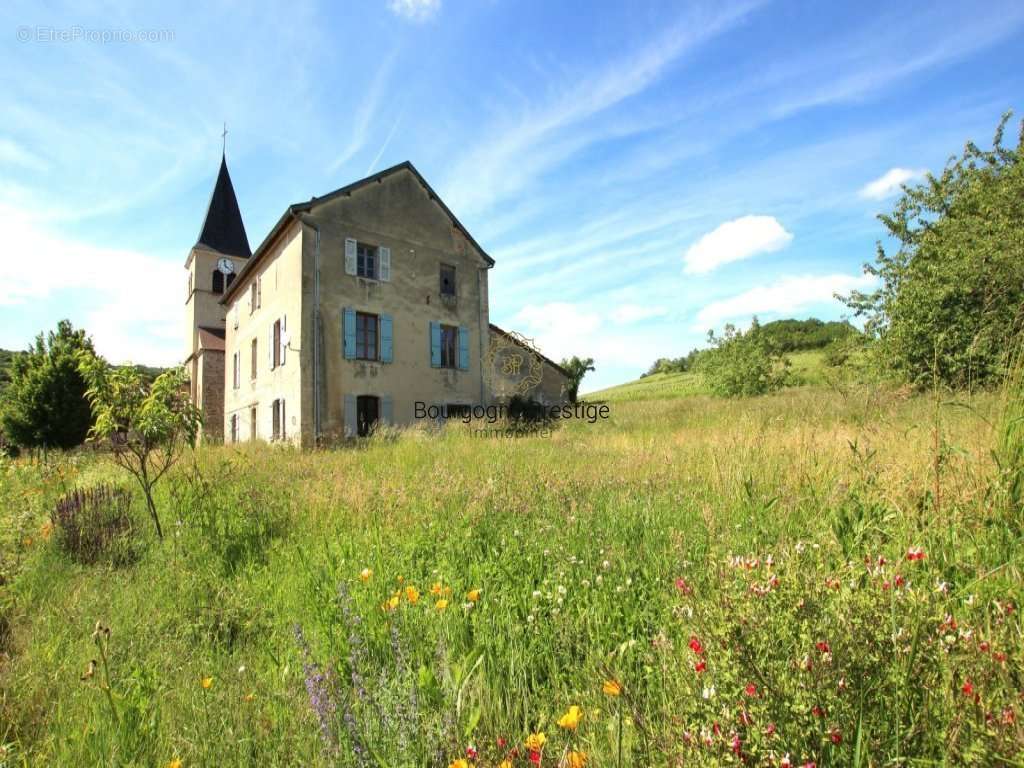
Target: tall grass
[[763, 578]]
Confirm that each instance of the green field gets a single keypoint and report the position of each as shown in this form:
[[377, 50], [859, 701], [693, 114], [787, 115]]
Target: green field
[[747, 570]]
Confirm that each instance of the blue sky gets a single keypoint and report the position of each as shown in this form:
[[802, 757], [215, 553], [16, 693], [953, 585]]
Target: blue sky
[[640, 171]]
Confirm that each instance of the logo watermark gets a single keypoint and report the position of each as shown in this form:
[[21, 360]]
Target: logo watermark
[[79, 34]]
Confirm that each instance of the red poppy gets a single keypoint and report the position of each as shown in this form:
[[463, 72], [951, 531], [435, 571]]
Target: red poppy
[[737, 746], [695, 645], [817, 711], [835, 736], [750, 690], [967, 687], [915, 553], [535, 757], [700, 666], [822, 646], [502, 742]]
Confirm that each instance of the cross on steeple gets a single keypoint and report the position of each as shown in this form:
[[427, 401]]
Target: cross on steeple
[[224, 140]]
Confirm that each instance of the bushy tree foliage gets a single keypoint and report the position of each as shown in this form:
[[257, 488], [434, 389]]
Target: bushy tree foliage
[[44, 405], [951, 295], [577, 368], [741, 363], [797, 335], [146, 426]]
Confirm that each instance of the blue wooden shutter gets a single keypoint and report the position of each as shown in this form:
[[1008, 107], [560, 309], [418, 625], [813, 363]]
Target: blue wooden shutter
[[387, 410], [348, 324], [435, 344], [463, 348], [351, 429], [386, 339]]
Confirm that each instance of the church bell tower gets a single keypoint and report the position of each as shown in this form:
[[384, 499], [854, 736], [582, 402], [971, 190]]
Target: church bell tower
[[213, 262]]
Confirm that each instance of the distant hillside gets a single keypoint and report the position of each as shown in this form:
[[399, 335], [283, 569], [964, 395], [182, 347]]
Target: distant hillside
[[806, 368]]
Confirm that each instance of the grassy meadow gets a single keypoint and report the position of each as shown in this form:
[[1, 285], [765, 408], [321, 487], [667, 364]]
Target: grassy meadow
[[822, 575]]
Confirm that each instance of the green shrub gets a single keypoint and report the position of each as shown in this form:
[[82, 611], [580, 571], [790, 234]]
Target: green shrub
[[741, 364]]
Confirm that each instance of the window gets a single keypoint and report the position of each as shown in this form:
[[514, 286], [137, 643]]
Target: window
[[449, 346], [252, 374], [366, 260], [236, 372], [252, 423], [252, 298], [366, 336], [218, 281], [447, 280], [278, 419], [229, 280], [367, 413], [276, 353], [234, 428]]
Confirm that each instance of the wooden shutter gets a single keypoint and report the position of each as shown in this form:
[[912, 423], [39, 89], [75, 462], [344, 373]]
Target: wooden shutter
[[348, 323], [385, 264], [435, 344], [350, 256], [387, 410], [386, 339], [284, 331], [351, 429], [463, 348], [270, 347], [284, 429]]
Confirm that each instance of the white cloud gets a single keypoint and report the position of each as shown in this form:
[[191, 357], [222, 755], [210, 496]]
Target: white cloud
[[130, 302], [888, 184], [786, 296], [414, 10], [634, 313], [736, 240], [12, 153]]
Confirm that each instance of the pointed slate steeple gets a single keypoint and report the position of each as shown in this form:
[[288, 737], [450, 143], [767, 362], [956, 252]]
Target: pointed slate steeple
[[223, 230]]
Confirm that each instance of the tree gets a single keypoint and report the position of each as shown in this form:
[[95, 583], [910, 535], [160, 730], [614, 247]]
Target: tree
[[951, 295], [146, 427], [45, 406], [576, 368], [742, 363]]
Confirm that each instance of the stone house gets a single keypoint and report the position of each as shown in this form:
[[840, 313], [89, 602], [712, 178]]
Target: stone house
[[357, 306]]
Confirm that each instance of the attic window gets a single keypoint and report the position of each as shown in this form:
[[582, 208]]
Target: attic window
[[447, 280]]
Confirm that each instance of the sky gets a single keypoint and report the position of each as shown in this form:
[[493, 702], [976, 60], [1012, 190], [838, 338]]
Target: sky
[[641, 172]]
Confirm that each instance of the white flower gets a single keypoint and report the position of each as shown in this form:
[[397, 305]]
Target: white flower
[[536, 594], [708, 692], [561, 590], [241, 669], [606, 565], [529, 619], [599, 579]]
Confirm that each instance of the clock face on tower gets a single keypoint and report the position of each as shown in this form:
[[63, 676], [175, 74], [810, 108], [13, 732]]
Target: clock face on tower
[[226, 266]]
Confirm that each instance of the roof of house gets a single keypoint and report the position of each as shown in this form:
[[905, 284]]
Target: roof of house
[[291, 214], [223, 230], [515, 340]]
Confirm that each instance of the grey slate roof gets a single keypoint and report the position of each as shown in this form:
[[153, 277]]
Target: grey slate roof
[[223, 230]]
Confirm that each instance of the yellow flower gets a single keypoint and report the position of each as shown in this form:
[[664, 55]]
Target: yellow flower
[[412, 594], [505, 764], [441, 604], [571, 719], [535, 741], [365, 574], [612, 688], [401, 579], [249, 698], [576, 759], [207, 683], [391, 603], [436, 588], [460, 763], [27, 541], [46, 530], [473, 595], [175, 763]]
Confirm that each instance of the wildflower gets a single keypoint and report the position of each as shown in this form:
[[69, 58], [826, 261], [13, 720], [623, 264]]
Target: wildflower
[[700, 666], [365, 574], [708, 692], [46, 530], [460, 763], [412, 594], [392, 602], [835, 736], [473, 595], [535, 741], [683, 587], [576, 759], [967, 688], [915, 553], [207, 683], [736, 745], [441, 604], [436, 588], [817, 711], [505, 764], [750, 690], [571, 719], [695, 645], [249, 698], [785, 762], [611, 688], [769, 730], [175, 763], [823, 647], [471, 752]]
